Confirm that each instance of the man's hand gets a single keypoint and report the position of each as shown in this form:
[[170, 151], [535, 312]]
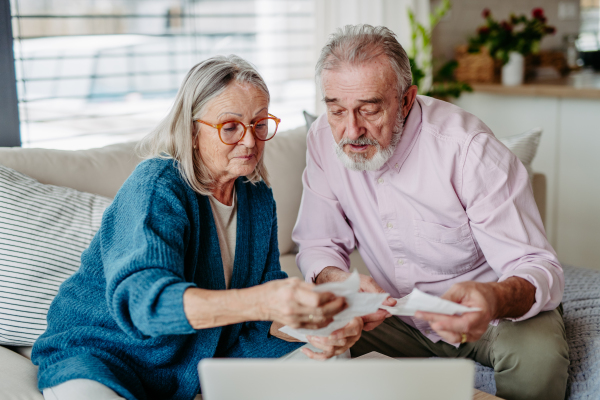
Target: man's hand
[[368, 285], [337, 343], [511, 298]]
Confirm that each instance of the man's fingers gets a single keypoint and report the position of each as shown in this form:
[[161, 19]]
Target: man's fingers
[[327, 342], [313, 325], [390, 302], [320, 343], [450, 337], [353, 328], [432, 317], [316, 356], [378, 315]]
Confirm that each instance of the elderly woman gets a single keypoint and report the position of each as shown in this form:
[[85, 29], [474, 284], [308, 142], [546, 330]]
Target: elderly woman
[[185, 265]]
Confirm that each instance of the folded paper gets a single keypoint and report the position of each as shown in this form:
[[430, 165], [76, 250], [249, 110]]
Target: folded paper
[[419, 301], [359, 304]]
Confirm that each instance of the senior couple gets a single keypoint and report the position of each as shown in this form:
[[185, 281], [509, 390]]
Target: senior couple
[[185, 265]]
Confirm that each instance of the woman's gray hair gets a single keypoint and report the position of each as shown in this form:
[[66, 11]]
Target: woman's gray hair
[[357, 44], [175, 135]]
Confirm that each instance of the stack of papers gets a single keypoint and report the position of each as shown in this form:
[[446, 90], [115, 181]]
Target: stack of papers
[[361, 304]]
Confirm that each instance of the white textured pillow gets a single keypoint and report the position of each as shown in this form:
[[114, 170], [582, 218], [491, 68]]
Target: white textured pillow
[[43, 231], [524, 146], [285, 158]]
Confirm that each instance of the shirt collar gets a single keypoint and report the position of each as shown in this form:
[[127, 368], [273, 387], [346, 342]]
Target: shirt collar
[[412, 129]]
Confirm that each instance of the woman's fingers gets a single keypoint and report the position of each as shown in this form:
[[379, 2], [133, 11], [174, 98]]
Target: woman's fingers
[[305, 295], [333, 307]]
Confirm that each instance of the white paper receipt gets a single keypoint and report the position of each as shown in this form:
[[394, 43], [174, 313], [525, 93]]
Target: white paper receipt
[[419, 301], [359, 304]]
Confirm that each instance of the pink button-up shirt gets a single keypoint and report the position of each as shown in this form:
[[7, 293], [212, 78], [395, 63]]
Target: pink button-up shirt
[[452, 204]]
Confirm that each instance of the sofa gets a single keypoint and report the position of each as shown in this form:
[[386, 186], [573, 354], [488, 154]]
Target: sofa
[[102, 171]]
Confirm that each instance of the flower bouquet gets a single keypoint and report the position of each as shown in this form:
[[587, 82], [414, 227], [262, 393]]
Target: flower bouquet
[[511, 40], [518, 34]]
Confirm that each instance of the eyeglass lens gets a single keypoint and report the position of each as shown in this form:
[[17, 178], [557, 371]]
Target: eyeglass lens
[[233, 131]]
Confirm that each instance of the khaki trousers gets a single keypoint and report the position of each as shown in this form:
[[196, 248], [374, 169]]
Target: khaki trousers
[[530, 358]]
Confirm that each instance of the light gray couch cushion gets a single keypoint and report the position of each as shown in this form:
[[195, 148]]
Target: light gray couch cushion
[[100, 171], [285, 158]]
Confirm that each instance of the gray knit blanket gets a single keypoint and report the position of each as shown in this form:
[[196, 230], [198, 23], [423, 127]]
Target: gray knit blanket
[[581, 304]]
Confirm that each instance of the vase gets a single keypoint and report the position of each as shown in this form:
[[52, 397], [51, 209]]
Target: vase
[[514, 70]]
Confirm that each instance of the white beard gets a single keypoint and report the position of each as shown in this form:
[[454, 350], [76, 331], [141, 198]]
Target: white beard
[[358, 162]]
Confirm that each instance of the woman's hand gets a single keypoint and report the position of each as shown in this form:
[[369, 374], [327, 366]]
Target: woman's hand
[[292, 302], [337, 343]]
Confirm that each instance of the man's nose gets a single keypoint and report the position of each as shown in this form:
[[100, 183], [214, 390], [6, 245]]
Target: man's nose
[[354, 128]]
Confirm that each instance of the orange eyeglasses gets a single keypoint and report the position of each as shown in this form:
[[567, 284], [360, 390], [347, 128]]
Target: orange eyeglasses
[[231, 132]]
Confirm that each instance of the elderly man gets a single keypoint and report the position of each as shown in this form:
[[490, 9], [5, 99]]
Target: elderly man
[[431, 200]]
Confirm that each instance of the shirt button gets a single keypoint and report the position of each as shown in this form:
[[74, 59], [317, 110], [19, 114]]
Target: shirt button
[[400, 262], [390, 225], [380, 180], [396, 166]]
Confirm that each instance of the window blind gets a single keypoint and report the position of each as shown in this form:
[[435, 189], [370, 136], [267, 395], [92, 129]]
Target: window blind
[[99, 72]]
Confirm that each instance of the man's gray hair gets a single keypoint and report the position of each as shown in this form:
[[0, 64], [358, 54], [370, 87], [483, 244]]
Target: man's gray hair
[[175, 135], [358, 44]]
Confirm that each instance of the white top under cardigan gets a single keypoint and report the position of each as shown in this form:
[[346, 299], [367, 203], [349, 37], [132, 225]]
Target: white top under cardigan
[[226, 222]]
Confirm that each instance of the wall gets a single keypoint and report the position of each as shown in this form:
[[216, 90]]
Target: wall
[[465, 17], [568, 156]]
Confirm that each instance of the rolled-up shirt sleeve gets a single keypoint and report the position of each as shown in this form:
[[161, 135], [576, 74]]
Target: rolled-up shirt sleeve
[[506, 223], [322, 232]]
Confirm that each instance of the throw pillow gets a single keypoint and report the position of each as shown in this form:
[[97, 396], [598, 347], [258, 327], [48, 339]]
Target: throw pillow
[[309, 118], [43, 231], [524, 146]]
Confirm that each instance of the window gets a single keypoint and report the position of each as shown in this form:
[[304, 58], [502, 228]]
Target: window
[[105, 71], [589, 38]]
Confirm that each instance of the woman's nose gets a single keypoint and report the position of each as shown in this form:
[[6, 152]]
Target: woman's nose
[[248, 140]]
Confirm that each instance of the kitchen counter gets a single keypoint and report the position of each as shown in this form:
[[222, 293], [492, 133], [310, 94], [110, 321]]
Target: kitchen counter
[[580, 85]]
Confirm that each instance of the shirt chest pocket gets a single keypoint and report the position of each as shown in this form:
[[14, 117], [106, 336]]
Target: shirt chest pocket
[[445, 251]]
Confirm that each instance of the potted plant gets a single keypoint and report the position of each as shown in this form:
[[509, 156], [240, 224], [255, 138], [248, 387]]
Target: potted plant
[[510, 41], [442, 84]]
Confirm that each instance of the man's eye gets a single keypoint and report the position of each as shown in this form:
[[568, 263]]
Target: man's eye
[[369, 112]]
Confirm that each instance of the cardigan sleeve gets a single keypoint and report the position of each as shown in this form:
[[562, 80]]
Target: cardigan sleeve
[[145, 233]]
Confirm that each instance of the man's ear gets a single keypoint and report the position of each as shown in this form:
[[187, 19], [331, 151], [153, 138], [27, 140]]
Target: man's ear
[[408, 99]]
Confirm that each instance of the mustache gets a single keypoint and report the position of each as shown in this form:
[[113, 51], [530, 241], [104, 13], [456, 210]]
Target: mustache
[[361, 141]]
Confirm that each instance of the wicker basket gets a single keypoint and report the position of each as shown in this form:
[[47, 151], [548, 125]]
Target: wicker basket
[[476, 67]]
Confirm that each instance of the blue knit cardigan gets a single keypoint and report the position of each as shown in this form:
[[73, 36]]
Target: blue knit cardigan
[[119, 319]]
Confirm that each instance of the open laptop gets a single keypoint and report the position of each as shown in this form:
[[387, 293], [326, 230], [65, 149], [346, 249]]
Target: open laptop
[[377, 379]]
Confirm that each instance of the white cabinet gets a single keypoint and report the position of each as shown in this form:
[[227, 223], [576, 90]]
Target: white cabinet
[[569, 156]]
